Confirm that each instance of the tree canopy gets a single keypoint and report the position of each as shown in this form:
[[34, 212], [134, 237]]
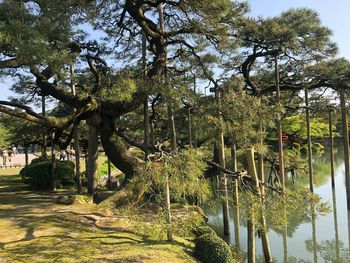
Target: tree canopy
[[209, 41]]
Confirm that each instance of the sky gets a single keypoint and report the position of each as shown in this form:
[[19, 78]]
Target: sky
[[335, 14]]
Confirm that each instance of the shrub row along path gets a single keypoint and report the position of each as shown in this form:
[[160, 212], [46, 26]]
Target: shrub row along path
[[33, 228]]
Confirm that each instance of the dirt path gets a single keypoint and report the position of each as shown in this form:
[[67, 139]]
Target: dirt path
[[35, 229]]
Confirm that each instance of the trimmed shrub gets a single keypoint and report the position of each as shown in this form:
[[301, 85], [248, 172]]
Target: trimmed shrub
[[38, 173], [203, 230], [212, 249]]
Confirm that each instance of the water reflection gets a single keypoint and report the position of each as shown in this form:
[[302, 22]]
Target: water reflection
[[315, 239]]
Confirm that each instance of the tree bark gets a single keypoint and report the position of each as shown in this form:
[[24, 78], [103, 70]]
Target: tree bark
[[116, 150]]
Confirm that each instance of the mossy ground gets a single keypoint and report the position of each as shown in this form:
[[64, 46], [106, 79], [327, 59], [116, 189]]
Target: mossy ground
[[35, 229]]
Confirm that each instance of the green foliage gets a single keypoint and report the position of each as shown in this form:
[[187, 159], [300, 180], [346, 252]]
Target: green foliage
[[212, 249], [296, 125], [185, 170], [242, 115], [20, 132], [4, 137], [202, 230], [38, 174]]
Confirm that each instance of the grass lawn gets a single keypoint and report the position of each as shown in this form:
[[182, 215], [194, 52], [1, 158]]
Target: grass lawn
[[35, 229]]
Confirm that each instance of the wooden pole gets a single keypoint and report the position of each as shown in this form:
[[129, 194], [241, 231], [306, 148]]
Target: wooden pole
[[169, 103], [250, 224], [236, 220], [335, 218], [279, 125], [172, 132], [285, 234], [251, 240], [314, 239], [331, 142], [223, 179], [146, 125], [190, 126], [309, 142], [222, 175], [76, 137], [53, 163], [109, 181], [264, 236], [261, 172], [168, 208], [194, 120], [43, 111], [345, 142], [26, 155]]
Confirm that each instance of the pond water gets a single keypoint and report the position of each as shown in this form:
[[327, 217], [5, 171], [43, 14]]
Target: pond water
[[327, 240]]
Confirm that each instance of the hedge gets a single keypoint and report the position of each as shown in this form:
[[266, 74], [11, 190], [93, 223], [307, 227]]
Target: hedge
[[38, 173]]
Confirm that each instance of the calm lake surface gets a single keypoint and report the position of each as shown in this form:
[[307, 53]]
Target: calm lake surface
[[329, 234]]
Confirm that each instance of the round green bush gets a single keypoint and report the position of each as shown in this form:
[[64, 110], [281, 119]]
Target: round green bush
[[38, 173], [212, 249], [203, 230]]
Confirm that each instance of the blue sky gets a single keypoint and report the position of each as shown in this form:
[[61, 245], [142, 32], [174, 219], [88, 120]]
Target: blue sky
[[334, 14]]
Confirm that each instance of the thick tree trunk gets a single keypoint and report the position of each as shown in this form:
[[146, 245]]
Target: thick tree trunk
[[93, 123], [116, 150]]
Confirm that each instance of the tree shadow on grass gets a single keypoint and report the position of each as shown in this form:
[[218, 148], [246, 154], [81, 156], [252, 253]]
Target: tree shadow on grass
[[48, 232]]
